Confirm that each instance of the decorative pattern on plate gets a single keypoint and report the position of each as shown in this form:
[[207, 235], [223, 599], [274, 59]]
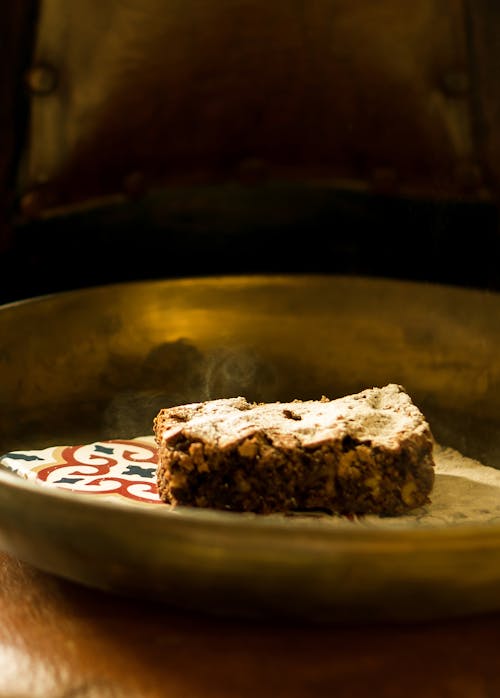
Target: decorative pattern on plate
[[117, 469]]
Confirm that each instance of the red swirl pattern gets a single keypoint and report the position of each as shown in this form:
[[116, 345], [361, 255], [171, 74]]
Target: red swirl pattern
[[101, 469]]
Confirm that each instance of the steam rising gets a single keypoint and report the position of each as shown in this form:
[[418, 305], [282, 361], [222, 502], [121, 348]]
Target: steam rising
[[176, 373]]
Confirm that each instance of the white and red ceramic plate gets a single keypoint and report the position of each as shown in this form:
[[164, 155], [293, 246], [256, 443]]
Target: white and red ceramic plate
[[118, 470], [124, 470]]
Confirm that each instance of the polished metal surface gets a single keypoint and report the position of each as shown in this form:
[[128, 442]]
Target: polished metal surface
[[100, 362]]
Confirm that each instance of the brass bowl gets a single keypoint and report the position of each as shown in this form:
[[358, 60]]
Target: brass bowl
[[98, 363]]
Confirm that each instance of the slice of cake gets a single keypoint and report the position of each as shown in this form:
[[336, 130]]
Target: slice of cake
[[371, 452]]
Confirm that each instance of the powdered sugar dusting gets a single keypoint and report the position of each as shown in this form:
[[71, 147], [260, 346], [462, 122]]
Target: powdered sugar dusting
[[383, 416]]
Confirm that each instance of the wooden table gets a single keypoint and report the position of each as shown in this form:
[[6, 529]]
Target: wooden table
[[60, 640]]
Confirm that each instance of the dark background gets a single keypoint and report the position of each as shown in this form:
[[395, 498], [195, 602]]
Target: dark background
[[241, 227], [275, 231]]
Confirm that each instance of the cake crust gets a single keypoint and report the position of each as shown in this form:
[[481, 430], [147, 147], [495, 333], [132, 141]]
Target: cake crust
[[366, 453]]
